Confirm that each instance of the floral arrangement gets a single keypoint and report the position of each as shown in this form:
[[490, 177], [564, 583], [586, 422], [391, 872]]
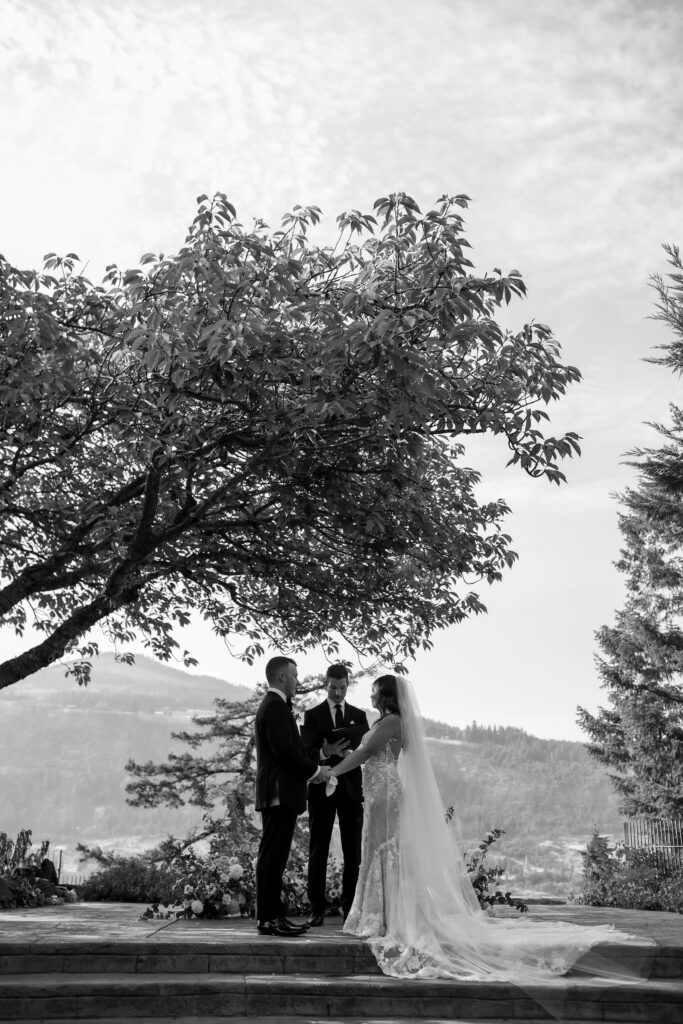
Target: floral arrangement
[[223, 884]]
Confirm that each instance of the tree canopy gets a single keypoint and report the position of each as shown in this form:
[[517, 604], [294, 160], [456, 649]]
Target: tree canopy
[[640, 735], [266, 432]]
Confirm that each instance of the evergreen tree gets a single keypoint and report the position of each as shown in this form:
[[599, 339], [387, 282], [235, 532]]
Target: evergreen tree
[[640, 736]]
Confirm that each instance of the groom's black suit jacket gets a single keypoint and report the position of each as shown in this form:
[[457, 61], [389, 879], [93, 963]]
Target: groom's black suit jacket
[[318, 724], [282, 768]]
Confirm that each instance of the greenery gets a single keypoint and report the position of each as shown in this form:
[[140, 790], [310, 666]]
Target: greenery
[[177, 880], [128, 879], [640, 735], [485, 877], [634, 879], [21, 874], [263, 431], [224, 776]]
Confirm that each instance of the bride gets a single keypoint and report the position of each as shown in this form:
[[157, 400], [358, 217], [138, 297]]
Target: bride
[[414, 903]]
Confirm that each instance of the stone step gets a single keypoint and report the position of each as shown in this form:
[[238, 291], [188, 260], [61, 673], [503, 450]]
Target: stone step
[[50, 997], [258, 955], [296, 1020]]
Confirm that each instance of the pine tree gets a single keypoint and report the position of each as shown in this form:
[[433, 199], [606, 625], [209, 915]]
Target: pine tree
[[640, 736]]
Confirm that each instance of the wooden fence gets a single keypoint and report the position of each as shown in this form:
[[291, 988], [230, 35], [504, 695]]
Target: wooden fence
[[663, 836], [69, 880]]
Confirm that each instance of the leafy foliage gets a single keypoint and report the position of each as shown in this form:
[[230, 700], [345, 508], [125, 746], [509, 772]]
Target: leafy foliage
[[485, 877], [178, 880], [635, 879], [225, 775], [640, 735], [22, 868], [133, 879], [263, 431]]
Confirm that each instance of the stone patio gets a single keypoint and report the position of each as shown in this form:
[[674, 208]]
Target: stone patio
[[98, 960]]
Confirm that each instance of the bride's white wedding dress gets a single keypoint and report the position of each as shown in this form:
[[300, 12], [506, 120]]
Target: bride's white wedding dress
[[414, 903]]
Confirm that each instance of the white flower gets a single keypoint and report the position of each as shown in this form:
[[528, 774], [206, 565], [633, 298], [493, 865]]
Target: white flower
[[236, 871], [188, 890], [227, 900], [196, 906], [186, 904]]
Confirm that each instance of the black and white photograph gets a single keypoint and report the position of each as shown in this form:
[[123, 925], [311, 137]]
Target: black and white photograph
[[341, 511]]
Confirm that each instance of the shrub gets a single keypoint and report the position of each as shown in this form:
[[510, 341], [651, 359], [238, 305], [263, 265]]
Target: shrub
[[632, 879], [129, 880]]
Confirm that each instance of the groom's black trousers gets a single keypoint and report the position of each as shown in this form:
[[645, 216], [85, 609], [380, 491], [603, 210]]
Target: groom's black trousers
[[271, 861]]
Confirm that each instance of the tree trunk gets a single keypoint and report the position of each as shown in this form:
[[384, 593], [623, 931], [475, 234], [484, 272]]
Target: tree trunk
[[54, 646]]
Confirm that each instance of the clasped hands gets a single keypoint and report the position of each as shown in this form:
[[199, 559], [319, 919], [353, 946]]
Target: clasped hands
[[325, 775]]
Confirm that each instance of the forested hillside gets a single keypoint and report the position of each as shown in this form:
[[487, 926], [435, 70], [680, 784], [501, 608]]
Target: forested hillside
[[546, 794], [63, 749]]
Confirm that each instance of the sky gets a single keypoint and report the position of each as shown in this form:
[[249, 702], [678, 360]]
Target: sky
[[561, 121]]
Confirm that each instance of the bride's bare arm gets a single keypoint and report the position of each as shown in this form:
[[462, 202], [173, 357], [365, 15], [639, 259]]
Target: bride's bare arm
[[378, 737]]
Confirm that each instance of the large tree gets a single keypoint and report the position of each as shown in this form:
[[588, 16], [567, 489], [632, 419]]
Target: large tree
[[263, 431], [640, 735]]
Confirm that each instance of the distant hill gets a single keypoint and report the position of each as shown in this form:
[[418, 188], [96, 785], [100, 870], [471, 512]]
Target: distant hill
[[63, 749], [546, 794]]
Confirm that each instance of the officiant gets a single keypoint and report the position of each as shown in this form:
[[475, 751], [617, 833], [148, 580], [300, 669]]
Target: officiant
[[329, 731]]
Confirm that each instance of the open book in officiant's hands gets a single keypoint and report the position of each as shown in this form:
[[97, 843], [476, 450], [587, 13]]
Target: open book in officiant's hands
[[353, 733]]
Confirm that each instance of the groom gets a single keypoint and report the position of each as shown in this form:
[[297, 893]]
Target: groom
[[329, 731], [282, 771]]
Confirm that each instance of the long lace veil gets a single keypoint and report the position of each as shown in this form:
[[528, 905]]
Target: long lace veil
[[437, 928]]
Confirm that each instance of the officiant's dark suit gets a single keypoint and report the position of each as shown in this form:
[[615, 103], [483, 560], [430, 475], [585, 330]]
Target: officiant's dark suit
[[282, 771], [347, 801]]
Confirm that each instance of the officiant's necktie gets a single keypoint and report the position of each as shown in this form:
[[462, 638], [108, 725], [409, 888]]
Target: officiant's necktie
[[288, 702], [338, 716]]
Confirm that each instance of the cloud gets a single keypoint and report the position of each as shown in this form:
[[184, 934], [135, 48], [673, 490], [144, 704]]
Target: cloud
[[559, 119]]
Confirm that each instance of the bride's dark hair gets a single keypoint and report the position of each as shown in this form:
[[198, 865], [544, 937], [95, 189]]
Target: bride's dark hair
[[387, 695]]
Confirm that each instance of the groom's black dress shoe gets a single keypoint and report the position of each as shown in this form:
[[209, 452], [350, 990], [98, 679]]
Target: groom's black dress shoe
[[315, 920], [279, 927], [292, 924]]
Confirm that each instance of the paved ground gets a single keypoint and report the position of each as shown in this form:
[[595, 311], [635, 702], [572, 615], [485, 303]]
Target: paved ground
[[120, 922]]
